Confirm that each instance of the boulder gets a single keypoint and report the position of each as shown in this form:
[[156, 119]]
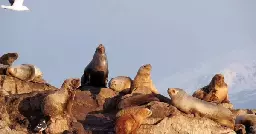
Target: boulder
[[11, 85], [184, 124]]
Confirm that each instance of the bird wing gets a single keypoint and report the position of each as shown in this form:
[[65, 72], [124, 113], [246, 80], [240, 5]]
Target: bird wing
[[18, 3], [11, 2]]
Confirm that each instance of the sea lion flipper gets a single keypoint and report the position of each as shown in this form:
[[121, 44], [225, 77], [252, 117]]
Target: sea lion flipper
[[226, 100]]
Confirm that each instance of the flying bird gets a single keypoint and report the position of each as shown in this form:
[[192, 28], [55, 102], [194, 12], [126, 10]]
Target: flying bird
[[16, 5]]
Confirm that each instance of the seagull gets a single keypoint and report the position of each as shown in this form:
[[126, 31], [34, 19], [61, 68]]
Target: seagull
[[16, 5], [41, 126]]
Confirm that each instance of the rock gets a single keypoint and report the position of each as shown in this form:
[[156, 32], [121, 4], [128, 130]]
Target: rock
[[5, 129], [87, 102], [162, 110], [183, 124], [22, 111], [241, 111], [58, 125], [11, 85], [240, 129]]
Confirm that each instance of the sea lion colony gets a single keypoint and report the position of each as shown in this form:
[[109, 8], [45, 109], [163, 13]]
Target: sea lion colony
[[204, 102]]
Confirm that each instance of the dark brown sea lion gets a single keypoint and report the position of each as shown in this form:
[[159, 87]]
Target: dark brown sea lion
[[216, 91], [8, 58], [96, 72]]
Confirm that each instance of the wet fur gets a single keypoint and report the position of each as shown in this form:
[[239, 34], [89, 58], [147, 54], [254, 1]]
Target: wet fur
[[96, 72]]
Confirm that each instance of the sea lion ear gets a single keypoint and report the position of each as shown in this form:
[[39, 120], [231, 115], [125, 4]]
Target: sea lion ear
[[172, 91]]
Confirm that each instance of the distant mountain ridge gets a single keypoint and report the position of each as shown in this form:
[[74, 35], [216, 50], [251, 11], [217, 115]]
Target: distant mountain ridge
[[240, 77]]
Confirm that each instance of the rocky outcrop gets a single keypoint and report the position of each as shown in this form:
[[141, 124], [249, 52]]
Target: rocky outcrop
[[11, 85], [22, 112]]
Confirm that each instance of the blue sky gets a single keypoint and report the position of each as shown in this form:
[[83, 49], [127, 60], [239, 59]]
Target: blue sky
[[60, 36]]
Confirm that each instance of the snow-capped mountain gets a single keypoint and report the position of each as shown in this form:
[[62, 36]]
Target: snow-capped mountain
[[240, 77]]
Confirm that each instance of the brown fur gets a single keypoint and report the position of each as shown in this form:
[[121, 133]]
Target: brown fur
[[143, 79], [129, 123], [136, 100], [128, 110], [120, 84], [193, 105], [9, 58], [216, 91]]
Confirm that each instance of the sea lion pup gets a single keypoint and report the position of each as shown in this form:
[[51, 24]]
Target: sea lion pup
[[216, 91], [129, 123], [120, 84], [96, 72], [143, 79], [60, 101], [248, 120], [192, 105], [26, 72], [8, 58]]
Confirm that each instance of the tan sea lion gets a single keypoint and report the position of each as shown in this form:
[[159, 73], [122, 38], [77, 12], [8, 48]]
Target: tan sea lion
[[8, 58], [193, 105], [60, 101], [216, 91], [26, 72], [248, 120], [96, 72], [120, 84], [143, 80], [129, 123]]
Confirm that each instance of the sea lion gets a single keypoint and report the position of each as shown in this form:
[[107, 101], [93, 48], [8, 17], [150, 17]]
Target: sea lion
[[143, 81], [248, 120], [60, 101], [216, 91], [129, 123], [128, 110], [26, 72], [8, 58], [96, 72], [120, 84], [192, 105], [136, 100]]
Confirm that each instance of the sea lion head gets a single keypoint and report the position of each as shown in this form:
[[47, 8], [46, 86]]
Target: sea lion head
[[218, 80], [71, 84], [145, 112], [100, 49], [145, 69], [175, 92], [112, 84], [9, 58]]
